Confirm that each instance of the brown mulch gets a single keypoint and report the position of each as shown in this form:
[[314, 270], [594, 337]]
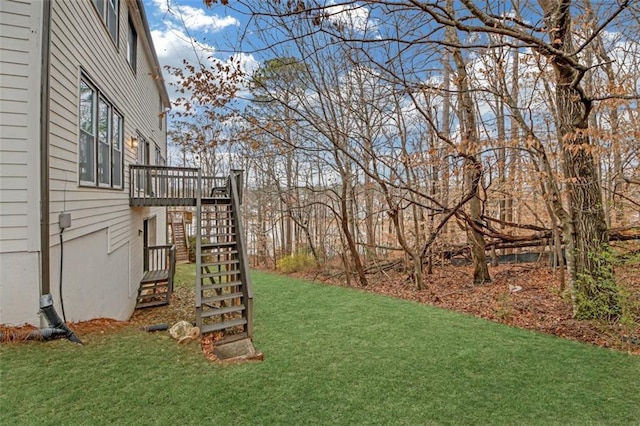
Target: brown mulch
[[182, 307], [11, 334], [536, 304]]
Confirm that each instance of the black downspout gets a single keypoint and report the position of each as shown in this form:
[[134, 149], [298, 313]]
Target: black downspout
[[44, 151], [46, 301], [46, 306]]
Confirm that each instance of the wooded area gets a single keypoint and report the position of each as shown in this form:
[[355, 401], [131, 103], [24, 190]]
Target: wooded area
[[401, 133]]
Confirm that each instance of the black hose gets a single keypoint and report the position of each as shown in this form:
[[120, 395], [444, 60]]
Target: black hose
[[41, 334], [155, 327], [47, 333], [64, 318]]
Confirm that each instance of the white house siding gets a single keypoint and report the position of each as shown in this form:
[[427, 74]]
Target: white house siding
[[100, 275], [20, 56], [92, 287], [102, 262]]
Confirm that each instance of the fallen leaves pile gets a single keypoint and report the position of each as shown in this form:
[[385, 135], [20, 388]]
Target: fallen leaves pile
[[523, 295]]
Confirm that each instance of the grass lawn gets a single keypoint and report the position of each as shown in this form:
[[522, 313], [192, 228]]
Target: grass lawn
[[332, 356]]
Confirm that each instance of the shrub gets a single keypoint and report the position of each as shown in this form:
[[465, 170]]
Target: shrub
[[296, 262], [192, 249]]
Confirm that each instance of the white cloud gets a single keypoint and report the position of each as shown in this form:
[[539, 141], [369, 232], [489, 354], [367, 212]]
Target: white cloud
[[173, 46], [194, 18], [354, 16], [179, 32]]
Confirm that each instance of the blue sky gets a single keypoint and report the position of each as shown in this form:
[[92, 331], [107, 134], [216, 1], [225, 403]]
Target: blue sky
[[186, 29]]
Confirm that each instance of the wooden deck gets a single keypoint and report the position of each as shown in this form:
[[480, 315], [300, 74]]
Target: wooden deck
[[173, 186]]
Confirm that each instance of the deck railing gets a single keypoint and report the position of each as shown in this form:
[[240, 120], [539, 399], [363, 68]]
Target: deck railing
[[171, 186], [160, 258]]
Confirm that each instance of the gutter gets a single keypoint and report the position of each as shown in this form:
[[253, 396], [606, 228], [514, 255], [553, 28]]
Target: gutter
[[44, 150]]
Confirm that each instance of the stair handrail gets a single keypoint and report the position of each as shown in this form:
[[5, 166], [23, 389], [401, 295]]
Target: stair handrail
[[247, 288], [184, 230], [199, 242]]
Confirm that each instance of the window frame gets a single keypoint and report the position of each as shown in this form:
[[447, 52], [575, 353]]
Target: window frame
[[101, 108], [117, 146], [143, 158], [132, 46], [103, 165], [86, 139], [107, 10]]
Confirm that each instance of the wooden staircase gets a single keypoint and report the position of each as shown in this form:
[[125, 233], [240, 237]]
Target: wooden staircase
[[179, 238], [156, 285], [223, 289], [224, 295]]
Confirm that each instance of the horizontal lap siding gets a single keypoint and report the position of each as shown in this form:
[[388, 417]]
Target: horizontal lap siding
[[20, 40], [80, 41]]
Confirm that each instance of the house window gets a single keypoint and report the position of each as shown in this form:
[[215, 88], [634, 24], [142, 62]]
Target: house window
[[108, 10], [142, 156], [101, 136], [86, 160], [161, 113], [159, 159], [143, 182], [116, 149], [132, 46], [162, 183]]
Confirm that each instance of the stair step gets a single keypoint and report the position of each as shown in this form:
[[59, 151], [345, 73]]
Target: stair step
[[215, 245], [232, 234], [221, 263], [150, 304], [220, 286], [227, 296], [232, 338], [214, 257], [224, 252], [207, 328], [220, 274], [212, 311], [216, 200], [152, 286]]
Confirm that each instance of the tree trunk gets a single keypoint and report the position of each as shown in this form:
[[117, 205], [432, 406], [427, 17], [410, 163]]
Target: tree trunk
[[346, 220], [585, 232], [472, 168]]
